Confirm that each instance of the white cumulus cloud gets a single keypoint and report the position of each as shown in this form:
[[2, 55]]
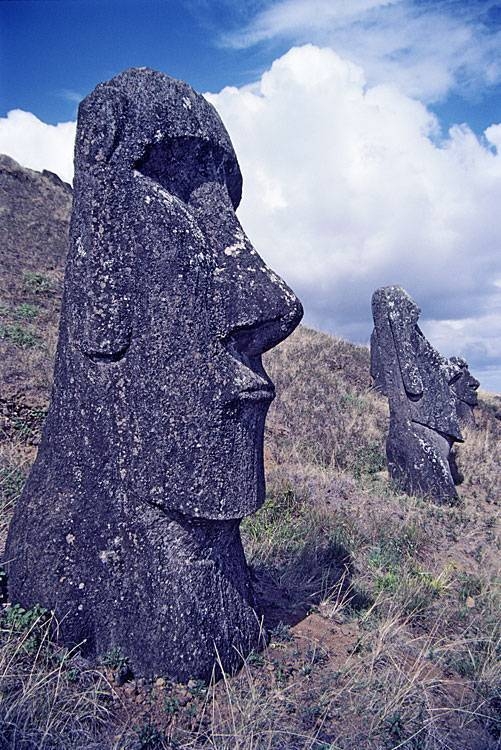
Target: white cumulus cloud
[[347, 187], [425, 48], [37, 145]]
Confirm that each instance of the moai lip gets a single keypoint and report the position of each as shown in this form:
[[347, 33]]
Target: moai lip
[[426, 394], [152, 451]]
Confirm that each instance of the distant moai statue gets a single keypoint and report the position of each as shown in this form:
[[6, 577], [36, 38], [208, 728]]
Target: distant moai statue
[[152, 452], [425, 393], [464, 387]]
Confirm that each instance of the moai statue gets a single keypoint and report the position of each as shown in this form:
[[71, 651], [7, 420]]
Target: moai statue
[[464, 387], [152, 452], [418, 381]]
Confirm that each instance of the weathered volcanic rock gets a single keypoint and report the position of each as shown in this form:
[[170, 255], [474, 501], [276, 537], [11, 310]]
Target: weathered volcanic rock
[[152, 451], [464, 386], [423, 389]]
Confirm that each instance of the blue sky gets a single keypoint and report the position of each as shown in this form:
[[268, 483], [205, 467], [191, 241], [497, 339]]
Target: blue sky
[[54, 51], [368, 133]]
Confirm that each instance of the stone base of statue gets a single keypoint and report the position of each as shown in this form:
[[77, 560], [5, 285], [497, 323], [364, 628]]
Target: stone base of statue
[[419, 462], [172, 594]]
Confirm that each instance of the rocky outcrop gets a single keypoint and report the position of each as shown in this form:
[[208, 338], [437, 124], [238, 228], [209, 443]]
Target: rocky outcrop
[[35, 212]]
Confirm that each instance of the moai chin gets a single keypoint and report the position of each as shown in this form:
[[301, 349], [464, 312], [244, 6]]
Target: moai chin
[[152, 451], [425, 393]]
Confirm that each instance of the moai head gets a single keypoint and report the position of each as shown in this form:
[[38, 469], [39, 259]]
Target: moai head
[[463, 384], [169, 307], [405, 366], [464, 387], [424, 404]]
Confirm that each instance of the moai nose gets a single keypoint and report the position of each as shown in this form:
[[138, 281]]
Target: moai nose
[[257, 310], [474, 383]]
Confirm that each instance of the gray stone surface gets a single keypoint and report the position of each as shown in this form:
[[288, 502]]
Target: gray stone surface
[[464, 386], [152, 451], [426, 393]]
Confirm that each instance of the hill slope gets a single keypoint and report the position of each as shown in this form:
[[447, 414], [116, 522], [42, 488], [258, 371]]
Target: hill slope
[[384, 609], [34, 218], [34, 221]]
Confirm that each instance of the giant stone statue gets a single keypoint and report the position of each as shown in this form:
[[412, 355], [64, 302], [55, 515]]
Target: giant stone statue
[[427, 394], [152, 451], [464, 387]]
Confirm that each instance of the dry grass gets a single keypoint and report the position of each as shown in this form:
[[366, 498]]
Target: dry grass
[[479, 458], [326, 411], [384, 609], [50, 698]]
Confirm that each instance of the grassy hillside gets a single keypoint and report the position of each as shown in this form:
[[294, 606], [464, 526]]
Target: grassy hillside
[[383, 609]]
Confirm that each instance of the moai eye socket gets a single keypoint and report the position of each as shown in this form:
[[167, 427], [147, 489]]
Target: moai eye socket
[[181, 165]]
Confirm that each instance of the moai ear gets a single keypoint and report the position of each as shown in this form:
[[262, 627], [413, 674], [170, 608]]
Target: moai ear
[[95, 144], [102, 253], [405, 340]]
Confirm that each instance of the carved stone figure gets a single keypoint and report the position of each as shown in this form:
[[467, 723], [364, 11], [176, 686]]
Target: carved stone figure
[[464, 387], [152, 451], [425, 393]]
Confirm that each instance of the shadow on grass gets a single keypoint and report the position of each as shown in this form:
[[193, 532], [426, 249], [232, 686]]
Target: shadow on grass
[[286, 593]]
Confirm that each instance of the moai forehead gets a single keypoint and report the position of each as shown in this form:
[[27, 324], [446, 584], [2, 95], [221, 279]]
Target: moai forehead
[[395, 302], [129, 121]]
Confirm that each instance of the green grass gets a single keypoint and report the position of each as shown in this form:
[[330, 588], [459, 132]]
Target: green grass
[[25, 311], [37, 283], [19, 335]]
